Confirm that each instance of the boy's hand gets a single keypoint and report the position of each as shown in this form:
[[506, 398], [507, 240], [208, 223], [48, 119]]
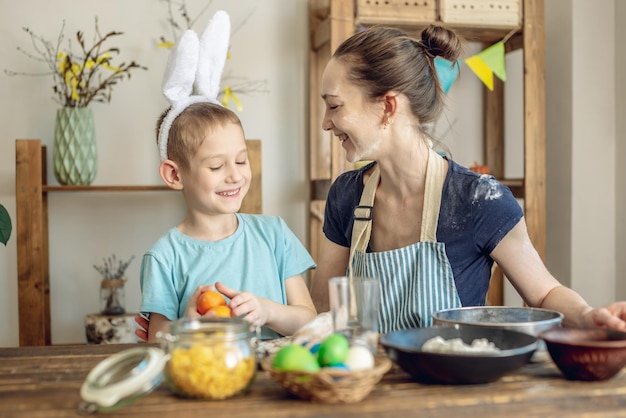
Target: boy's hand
[[245, 305], [191, 311]]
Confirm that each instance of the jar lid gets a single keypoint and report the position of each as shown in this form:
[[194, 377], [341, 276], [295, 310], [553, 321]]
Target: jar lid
[[225, 329], [122, 377]]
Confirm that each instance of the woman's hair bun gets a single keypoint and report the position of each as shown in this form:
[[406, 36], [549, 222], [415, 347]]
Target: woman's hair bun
[[439, 41]]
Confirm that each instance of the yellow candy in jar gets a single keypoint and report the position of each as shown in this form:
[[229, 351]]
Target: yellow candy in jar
[[210, 358]]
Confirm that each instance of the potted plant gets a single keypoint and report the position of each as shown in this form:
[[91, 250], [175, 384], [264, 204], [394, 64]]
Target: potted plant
[[80, 78], [5, 225], [112, 285]]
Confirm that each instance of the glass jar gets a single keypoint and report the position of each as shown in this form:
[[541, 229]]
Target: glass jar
[[209, 358], [112, 296]]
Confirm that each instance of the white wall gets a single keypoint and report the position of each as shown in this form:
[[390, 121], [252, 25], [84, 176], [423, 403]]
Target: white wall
[[593, 161], [582, 142], [85, 227], [620, 148], [559, 114]]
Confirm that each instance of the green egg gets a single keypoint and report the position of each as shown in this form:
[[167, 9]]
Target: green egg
[[294, 357], [333, 350]]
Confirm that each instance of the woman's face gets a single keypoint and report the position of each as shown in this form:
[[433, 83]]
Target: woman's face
[[219, 173], [355, 120]]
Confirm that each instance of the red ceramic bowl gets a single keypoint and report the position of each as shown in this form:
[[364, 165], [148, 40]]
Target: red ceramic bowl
[[586, 354]]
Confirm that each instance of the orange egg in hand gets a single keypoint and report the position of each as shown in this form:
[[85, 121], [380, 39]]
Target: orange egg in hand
[[221, 311], [210, 300]]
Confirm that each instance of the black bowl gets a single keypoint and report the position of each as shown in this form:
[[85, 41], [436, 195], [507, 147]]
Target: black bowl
[[405, 349]]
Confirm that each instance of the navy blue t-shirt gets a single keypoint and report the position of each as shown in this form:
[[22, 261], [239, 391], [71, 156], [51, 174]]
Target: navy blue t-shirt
[[476, 212]]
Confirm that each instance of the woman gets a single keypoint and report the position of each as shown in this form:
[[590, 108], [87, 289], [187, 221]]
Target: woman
[[436, 227], [424, 226]]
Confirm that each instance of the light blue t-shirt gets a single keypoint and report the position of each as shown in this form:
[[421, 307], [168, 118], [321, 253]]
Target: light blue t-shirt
[[258, 258]]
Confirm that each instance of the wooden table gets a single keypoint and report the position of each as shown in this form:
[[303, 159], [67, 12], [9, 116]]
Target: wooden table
[[45, 382]]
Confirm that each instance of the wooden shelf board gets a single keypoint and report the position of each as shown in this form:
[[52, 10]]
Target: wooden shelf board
[[486, 34], [137, 188]]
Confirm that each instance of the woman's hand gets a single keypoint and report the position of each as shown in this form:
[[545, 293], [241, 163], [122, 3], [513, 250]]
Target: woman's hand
[[611, 316], [245, 305]]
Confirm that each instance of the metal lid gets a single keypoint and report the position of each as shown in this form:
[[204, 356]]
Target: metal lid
[[223, 329], [122, 377]]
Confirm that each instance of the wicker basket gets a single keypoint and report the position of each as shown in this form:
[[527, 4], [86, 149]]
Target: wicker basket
[[330, 385]]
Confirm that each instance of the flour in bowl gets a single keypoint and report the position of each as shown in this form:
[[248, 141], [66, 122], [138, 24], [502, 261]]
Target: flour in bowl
[[456, 345]]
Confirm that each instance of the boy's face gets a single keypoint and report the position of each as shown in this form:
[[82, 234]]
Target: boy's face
[[219, 173]]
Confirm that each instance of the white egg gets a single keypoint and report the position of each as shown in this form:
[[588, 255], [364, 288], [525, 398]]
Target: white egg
[[359, 358]]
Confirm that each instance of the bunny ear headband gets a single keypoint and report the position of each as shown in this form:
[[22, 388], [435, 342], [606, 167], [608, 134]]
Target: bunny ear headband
[[193, 71]]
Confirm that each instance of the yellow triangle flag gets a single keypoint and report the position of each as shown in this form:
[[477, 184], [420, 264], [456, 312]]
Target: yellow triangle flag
[[488, 62], [481, 70]]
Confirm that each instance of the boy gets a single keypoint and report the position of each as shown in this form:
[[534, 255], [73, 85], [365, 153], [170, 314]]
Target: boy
[[214, 246]]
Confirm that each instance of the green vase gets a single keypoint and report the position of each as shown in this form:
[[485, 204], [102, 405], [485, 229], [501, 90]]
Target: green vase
[[75, 153]]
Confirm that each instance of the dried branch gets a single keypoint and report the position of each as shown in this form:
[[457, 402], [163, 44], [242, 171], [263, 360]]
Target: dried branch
[[112, 268], [83, 77]]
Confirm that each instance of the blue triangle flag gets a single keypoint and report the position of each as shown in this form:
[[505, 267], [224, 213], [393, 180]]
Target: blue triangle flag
[[447, 71]]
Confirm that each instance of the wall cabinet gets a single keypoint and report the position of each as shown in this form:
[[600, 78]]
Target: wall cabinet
[[332, 21]]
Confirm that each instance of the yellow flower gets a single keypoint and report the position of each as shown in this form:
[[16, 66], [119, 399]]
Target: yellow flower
[[83, 77], [228, 94]]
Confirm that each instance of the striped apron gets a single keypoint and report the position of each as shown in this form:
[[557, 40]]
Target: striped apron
[[416, 280]]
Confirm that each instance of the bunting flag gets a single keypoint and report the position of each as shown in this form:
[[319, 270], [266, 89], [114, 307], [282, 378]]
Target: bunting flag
[[488, 62], [447, 72]]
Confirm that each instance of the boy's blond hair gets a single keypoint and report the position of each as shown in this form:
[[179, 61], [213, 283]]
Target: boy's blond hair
[[190, 129]]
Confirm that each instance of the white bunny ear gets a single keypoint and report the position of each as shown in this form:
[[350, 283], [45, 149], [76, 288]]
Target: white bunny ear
[[194, 63], [181, 68], [212, 56]]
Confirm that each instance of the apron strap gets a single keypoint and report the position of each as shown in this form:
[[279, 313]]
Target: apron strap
[[362, 228], [435, 178]]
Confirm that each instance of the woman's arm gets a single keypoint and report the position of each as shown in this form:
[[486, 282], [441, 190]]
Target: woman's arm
[[333, 262], [523, 266]]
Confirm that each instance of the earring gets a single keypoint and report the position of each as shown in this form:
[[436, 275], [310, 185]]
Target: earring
[[386, 124]]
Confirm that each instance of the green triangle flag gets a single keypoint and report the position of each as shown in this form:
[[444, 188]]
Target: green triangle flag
[[494, 58]]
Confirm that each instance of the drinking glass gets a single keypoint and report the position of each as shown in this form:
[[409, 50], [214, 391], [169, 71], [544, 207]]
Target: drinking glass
[[354, 308]]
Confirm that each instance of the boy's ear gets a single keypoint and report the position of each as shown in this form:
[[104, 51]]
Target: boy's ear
[[170, 174]]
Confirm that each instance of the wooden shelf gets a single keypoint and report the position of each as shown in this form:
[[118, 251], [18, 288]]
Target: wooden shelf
[[137, 188], [31, 226], [333, 21]]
